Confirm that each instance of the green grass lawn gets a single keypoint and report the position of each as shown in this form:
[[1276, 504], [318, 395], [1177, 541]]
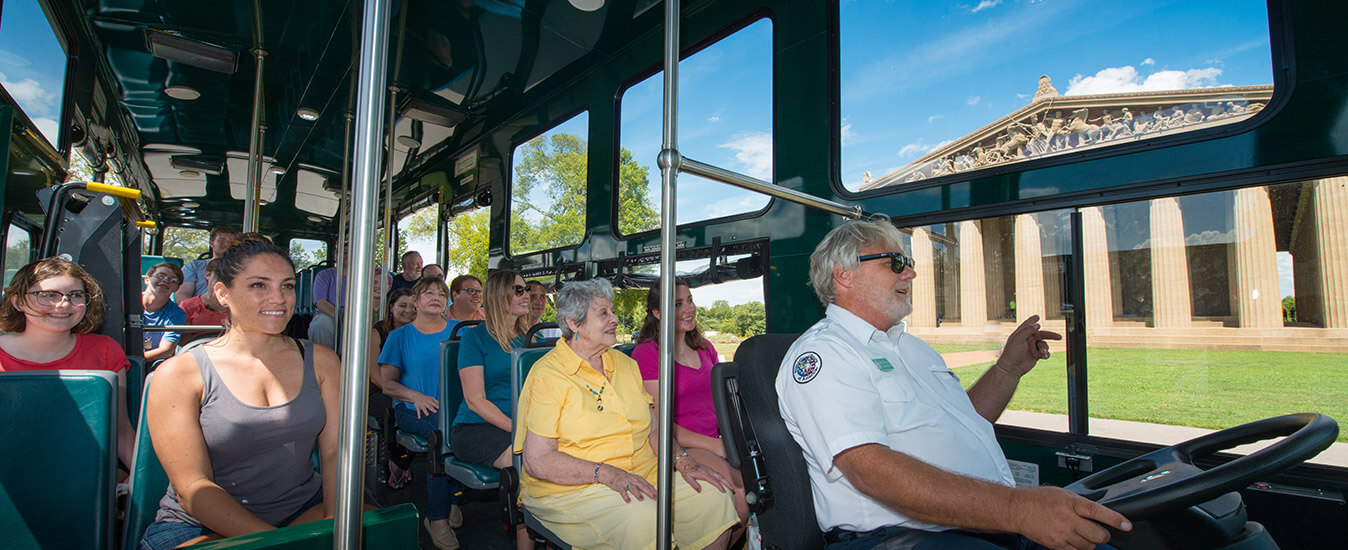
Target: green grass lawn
[[1206, 389], [956, 348]]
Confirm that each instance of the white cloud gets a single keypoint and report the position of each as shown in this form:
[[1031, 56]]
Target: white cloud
[[919, 148], [10, 58], [28, 93], [934, 118], [985, 4], [1126, 79], [1211, 237], [754, 152], [1148, 61], [714, 119], [1022, 97], [49, 128], [846, 134], [973, 100]]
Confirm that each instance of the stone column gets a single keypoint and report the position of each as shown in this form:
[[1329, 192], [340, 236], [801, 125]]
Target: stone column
[[1099, 283], [1170, 294], [1029, 268], [923, 288], [973, 288], [994, 275], [1331, 232], [1258, 300]]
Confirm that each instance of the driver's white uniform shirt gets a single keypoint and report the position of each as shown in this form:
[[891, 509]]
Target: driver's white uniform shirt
[[844, 384]]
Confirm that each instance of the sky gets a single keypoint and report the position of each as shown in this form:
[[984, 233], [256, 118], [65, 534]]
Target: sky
[[913, 76], [32, 64]]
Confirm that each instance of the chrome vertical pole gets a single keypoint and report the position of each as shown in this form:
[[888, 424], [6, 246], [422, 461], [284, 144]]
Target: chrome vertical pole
[[250, 209], [365, 180], [669, 161]]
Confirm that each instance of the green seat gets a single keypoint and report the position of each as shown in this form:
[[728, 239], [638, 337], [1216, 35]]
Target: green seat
[[394, 528], [523, 361], [147, 483], [62, 423], [135, 383], [413, 442], [626, 348], [451, 397]]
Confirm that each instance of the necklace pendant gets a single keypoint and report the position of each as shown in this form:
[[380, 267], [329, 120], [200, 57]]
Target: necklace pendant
[[601, 406]]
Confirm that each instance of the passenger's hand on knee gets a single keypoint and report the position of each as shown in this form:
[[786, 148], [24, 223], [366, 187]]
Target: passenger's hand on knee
[[625, 483], [1057, 518], [692, 471], [425, 404]]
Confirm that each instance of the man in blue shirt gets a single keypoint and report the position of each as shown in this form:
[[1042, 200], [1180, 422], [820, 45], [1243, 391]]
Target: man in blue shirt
[[158, 310]]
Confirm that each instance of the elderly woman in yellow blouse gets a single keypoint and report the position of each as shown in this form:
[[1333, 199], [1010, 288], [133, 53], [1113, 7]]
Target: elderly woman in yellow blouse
[[588, 446]]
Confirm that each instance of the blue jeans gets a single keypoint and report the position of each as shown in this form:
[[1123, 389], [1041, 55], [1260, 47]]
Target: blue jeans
[[439, 493], [170, 534]]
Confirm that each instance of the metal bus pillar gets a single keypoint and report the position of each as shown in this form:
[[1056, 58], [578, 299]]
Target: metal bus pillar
[[669, 161], [369, 124]]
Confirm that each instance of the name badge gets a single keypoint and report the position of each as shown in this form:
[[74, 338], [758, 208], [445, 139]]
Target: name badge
[[883, 364]]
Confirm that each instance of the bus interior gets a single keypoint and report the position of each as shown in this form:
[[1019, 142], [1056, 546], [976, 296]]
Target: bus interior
[[1166, 185]]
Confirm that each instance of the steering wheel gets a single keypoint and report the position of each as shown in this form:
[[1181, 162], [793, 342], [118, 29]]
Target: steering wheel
[[1166, 480]]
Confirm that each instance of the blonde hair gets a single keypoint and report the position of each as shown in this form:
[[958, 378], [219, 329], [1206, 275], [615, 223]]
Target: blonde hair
[[501, 325]]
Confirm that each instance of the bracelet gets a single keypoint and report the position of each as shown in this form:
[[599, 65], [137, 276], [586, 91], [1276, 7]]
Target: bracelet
[[681, 455], [596, 471]]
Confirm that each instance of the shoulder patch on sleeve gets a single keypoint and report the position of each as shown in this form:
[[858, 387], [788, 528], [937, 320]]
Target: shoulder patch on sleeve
[[806, 367]]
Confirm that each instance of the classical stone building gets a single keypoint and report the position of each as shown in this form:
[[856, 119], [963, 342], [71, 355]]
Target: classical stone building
[[1196, 271]]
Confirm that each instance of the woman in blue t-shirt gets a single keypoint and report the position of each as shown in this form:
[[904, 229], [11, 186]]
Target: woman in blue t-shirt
[[482, 427], [410, 365]]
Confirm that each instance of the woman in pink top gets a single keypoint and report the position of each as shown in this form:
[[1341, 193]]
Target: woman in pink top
[[50, 309], [694, 356]]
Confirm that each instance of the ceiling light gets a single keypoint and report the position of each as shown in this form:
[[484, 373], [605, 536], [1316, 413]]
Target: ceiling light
[[191, 52], [191, 204], [307, 113], [185, 93], [409, 142], [587, 5], [316, 219], [189, 173]]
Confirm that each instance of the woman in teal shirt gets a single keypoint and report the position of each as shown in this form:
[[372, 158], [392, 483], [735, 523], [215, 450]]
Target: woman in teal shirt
[[482, 427]]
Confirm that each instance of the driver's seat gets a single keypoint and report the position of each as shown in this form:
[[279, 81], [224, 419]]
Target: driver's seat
[[776, 481]]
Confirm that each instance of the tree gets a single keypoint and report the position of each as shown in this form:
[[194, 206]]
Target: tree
[[186, 243], [548, 197], [1289, 309], [468, 241]]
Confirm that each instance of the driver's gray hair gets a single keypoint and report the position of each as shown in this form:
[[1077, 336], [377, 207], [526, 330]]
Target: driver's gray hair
[[843, 245], [574, 299]]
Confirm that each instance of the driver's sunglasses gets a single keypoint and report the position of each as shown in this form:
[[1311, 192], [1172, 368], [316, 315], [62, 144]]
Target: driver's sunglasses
[[898, 260], [520, 290]]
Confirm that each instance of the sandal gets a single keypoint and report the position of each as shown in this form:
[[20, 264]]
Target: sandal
[[398, 477]]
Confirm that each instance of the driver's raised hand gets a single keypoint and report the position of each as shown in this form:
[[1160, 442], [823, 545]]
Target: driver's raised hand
[[1025, 347], [1061, 519]]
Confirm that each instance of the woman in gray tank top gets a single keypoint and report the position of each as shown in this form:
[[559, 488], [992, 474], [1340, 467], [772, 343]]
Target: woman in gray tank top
[[236, 422]]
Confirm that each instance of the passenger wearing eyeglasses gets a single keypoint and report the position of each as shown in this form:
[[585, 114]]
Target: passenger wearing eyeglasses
[[899, 454], [158, 309], [465, 293], [48, 315], [482, 425]]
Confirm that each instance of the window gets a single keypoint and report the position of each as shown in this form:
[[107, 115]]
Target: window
[[307, 252], [725, 119], [186, 243], [547, 195], [1202, 312], [18, 250], [933, 89], [32, 65]]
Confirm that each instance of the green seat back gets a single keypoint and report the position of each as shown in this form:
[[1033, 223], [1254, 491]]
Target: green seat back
[[393, 528], [58, 458], [626, 348], [147, 483], [451, 397]]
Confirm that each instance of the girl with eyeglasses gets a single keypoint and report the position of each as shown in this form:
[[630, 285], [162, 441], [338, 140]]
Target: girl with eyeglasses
[[49, 312], [482, 425]]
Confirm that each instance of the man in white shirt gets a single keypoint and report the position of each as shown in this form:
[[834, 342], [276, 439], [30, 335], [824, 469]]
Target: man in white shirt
[[899, 455]]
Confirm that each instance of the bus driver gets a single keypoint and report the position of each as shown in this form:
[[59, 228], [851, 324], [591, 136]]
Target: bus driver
[[899, 455]]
